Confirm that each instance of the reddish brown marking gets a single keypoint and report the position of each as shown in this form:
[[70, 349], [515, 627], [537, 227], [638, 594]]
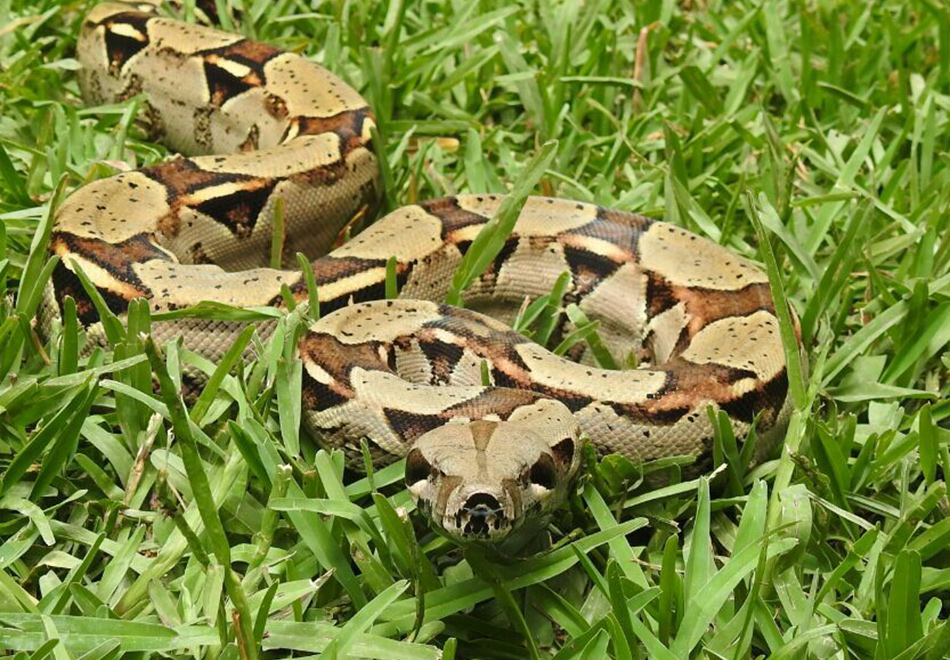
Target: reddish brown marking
[[499, 401], [661, 296], [688, 384], [120, 48], [348, 126], [704, 306], [453, 216], [276, 107], [338, 359], [251, 141], [330, 269], [182, 179], [117, 259], [616, 217], [410, 426], [253, 54], [325, 175]]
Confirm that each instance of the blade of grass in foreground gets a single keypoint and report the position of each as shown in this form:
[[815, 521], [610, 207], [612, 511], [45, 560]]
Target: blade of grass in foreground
[[493, 235], [204, 497]]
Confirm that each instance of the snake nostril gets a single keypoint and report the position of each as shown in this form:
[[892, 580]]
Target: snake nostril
[[484, 513], [482, 504]]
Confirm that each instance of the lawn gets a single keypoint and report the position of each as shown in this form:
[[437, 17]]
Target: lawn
[[809, 135]]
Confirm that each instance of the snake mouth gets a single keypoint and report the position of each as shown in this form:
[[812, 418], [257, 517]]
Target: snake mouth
[[482, 517]]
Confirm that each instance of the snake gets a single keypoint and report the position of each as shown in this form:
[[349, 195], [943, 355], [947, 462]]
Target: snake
[[491, 424]]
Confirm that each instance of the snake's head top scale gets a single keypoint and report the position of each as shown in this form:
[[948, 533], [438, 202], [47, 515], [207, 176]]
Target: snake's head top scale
[[479, 481]]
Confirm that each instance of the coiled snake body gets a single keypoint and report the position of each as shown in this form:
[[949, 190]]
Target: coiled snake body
[[262, 124]]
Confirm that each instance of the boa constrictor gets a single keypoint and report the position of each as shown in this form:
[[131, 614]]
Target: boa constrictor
[[262, 124]]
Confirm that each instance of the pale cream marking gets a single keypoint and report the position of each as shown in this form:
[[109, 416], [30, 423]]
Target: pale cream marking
[[186, 285], [99, 276], [129, 31], [352, 283], [187, 39], [550, 413], [236, 69], [539, 216], [665, 329], [597, 246], [742, 342], [620, 299], [366, 134], [684, 259], [381, 320], [408, 233], [630, 387], [530, 270], [221, 190], [381, 389], [317, 372], [307, 89], [308, 152], [413, 365], [106, 203]]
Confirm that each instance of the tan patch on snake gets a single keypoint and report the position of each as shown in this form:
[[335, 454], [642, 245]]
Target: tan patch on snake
[[540, 216], [338, 358], [382, 239], [633, 387], [742, 342], [185, 39], [113, 209], [307, 89], [381, 320], [415, 400], [687, 260], [621, 299], [176, 285], [454, 218], [499, 402]]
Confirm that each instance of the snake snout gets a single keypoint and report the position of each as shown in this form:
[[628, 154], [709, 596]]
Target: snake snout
[[484, 514]]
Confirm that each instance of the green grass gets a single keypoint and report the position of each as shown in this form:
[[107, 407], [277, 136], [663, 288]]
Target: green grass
[[808, 134]]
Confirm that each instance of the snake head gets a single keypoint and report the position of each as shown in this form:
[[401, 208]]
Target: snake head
[[482, 480]]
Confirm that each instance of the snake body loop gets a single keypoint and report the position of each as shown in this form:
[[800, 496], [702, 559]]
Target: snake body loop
[[483, 461]]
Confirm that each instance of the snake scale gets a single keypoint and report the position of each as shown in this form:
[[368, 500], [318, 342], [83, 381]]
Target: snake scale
[[260, 124]]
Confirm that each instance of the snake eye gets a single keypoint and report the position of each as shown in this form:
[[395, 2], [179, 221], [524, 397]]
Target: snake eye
[[417, 467], [564, 451], [544, 472]]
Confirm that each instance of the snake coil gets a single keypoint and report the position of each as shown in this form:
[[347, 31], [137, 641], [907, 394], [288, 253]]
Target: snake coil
[[260, 124]]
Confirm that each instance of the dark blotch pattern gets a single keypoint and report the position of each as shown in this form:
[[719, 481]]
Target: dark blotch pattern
[[120, 48], [239, 210], [409, 425]]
